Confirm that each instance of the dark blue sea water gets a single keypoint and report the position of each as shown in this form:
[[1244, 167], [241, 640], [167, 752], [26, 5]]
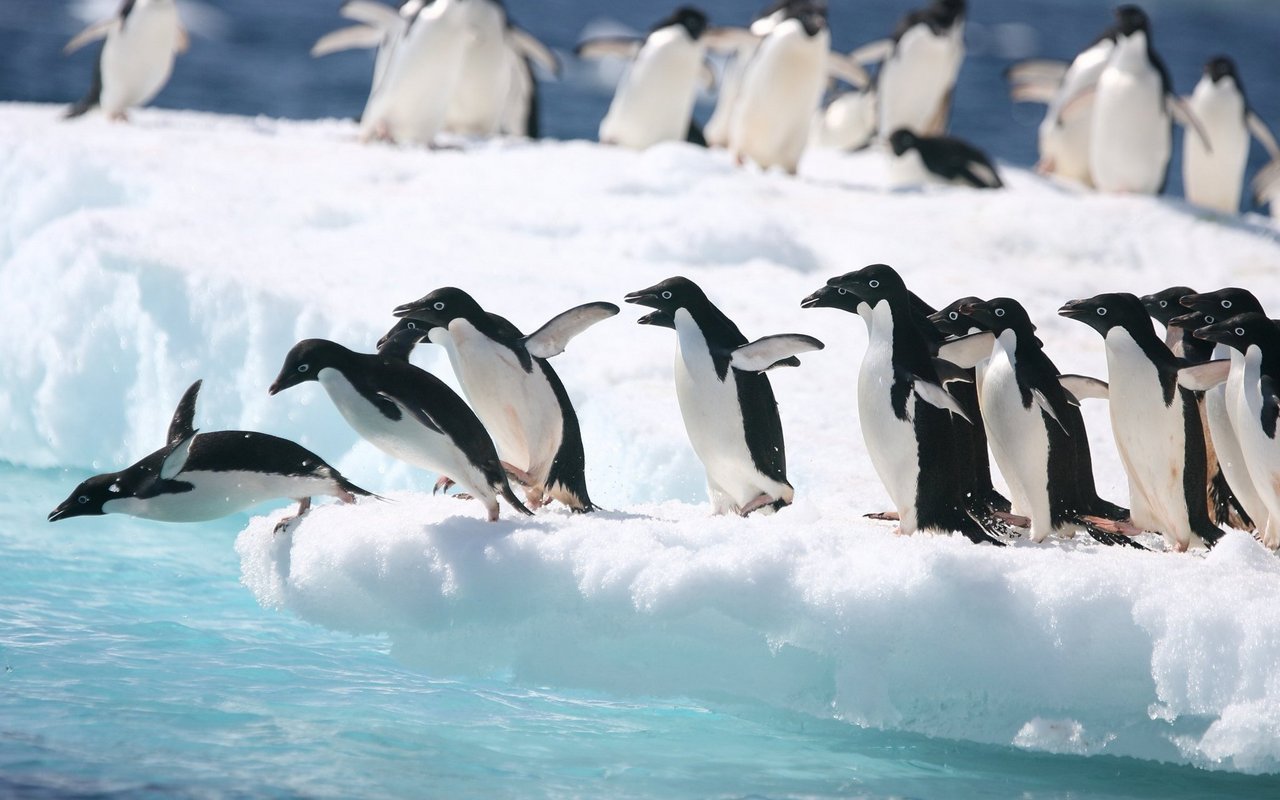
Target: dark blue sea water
[[252, 56]]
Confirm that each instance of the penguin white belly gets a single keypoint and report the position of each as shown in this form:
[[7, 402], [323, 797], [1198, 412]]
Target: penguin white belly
[[716, 131], [1261, 451], [518, 408], [847, 123], [713, 418], [891, 442], [1215, 179], [915, 80], [410, 102], [1151, 438], [1017, 438], [405, 438], [654, 102], [484, 79], [138, 58], [1226, 443], [780, 93], [217, 494], [520, 89], [1131, 137], [1065, 141]]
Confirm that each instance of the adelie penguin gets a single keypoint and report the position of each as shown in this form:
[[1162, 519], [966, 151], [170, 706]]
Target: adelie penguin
[[406, 412], [1257, 392], [910, 423], [1156, 422], [514, 389], [136, 59], [726, 400], [940, 159], [202, 476], [1034, 426]]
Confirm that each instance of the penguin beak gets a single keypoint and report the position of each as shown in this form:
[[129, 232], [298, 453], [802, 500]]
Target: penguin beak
[[1196, 302], [419, 309], [655, 318], [645, 297], [815, 298], [1076, 309], [1186, 321], [68, 508]]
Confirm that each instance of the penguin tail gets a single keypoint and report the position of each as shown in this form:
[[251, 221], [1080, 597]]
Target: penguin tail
[[1225, 506], [91, 99], [1103, 536], [978, 523], [350, 488], [504, 488], [695, 136]]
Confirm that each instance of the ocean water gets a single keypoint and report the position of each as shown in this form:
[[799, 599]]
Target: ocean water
[[135, 665]]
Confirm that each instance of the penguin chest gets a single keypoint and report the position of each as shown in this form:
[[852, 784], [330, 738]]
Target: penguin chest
[[411, 100], [917, 78], [1260, 450], [405, 438], [1018, 438], [484, 79], [137, 59], [891, 442], [1214, 178], [655, 99], [1132, 134], [518, 408], [217, 494], [780, 94]]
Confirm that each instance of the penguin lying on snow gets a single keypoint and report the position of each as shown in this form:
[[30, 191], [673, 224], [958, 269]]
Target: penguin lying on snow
[[1156, 422], [726, 400], [940, 159], [514, 390], [406, 412], [136, 59], [202, 476]]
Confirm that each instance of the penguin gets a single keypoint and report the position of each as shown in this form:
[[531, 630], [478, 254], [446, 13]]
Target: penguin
[[197, 477], [1166, 305], [520, 113], [1133, 111], [725, 398], [1063, 137], [940, 159], [1266, 187], [1214, 178], [1156, 422], [654, 101], [405, 412], [514, 390], [1257, 393], [848, 122], [1035, 428], [918, 69], [137, 57], [1222, 400], [909, 421]]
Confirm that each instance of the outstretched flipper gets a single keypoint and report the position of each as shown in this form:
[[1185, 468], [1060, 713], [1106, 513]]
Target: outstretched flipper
[[968, 351], [528, 45], [354, 37], [552, 338], [1187, 118], [1203, 377], [93, 33], [182, 425], [1082, 387], [625, 47], [764, 353]]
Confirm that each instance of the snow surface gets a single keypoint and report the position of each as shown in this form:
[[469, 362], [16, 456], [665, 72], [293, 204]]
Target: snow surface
[[134, 259]]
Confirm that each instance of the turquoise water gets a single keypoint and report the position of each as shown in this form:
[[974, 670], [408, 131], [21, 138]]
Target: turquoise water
[[135, 665]]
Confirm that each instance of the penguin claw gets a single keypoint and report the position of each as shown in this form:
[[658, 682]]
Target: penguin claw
[[518, 475], [886, 516], [1013, 519], [443, 484]]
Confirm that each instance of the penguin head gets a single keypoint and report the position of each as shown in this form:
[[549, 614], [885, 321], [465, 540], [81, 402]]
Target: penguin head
[[1106, 311], [945, 12], [1220, 67], [693, 20], [89, 498], [833, 297], [305, 361], [669, 295], [1241, 331], [661, 319], [1131, 20], [402, 338], [873, 283], [1223, 303], [442, 307], [952, 322], [811, 15], [998, 315], [902, 140], [1166, 304], [1193, 320]]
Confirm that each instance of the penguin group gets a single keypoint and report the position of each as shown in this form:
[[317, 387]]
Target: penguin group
[[943, 394], [463, 68]]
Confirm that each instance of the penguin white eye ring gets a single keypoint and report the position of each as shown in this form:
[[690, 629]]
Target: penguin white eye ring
[[874, 284], [1164, 303], [1102, 312], [1239, 331], [1226, 304], [666, 295], [1208, 320], [439, 306], [82, 499], [954, 315], [413, 326], [842, 291], [303, 367], [999, 312]]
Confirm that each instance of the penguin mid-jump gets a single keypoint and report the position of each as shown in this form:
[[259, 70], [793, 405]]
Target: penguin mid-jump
[[726, 400], [514, 390], [1156, 422], [136, 59], [197, 477]]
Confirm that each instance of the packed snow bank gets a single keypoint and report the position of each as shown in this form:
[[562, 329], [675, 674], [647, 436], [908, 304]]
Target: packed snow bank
[[136, 258]]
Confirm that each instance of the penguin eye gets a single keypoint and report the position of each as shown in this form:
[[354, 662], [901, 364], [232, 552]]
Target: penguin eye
[[999, 312], [82, 499], [439, 306], [874, 284], [1164, 303], [666, 295], [1226, 304], [954, 315], [1208, 320], [413, 326], [1102, 312], [1239, 331], [303, 367]]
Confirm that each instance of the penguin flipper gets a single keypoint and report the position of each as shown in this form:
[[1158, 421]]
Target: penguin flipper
[[528, 45], [1036, 74], [936, 396], [968, 351], [1262, 132], [1187, 118], [1270, 405], [872, 52], [728, 40], [182, 425], [93, 33], [766, 352], [176, 459], [91, 98], [1082, 387], [609, 47], [845, 68], [354, 37], [553, 337], [1266, 184], [371, 13], [1203, 377], [950, 373], [1043, 402]]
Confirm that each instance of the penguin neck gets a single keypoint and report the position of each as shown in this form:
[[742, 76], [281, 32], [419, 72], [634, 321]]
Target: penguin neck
[[716, 328]]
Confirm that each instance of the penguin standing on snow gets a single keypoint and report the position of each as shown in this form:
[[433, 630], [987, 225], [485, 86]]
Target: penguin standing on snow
[[136, 59], [406, 412], [1035, 428], [1156, 422], [654, 101], [940, 159], [202, 476], [1257, 391], [909, 421], [514, 390], [1214, 178], [726, 400]]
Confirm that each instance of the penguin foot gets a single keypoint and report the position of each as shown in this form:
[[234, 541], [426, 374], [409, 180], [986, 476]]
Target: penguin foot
[[1116, 526], [518, 475], [443, 484], [304, 505], [119, 116], [1013, 519], [345, 497], [758, 503], [462, 496], [887, 516]]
